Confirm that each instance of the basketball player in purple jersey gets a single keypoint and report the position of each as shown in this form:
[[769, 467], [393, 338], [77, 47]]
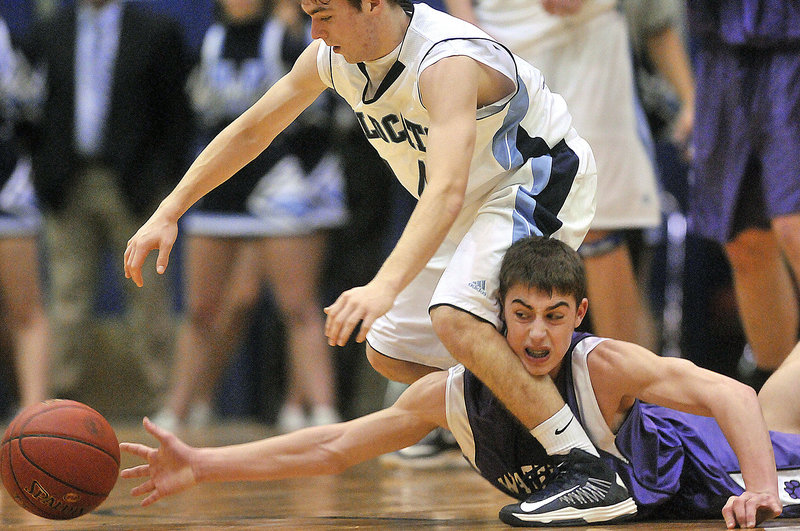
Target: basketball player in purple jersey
[[687, 442]]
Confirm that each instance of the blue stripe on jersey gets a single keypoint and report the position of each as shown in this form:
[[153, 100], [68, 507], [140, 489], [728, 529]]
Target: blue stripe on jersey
[[522, 227], [553, 172], [504, 143]]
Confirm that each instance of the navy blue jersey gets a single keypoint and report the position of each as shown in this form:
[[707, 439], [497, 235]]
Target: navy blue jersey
[[675, 465]]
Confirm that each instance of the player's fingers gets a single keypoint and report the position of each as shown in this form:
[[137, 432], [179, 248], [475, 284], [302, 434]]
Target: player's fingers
[[348, 325], [366, 324], [163, 257], [332, 313], [140, 471], [768, 508], [748, 516], [125, 258], [150, 500], [334, 322], [727, 513], [144, 488], [156, 431], [139, 450], [135, 267]]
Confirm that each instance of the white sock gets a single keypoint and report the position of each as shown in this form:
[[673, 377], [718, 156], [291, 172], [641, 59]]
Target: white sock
[[561, 433]]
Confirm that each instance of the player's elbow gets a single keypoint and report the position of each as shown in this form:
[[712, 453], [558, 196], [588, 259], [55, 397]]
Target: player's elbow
[[744, 392], [735, 392]]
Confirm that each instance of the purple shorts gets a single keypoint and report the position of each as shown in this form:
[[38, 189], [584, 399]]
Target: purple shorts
[[747, 140]]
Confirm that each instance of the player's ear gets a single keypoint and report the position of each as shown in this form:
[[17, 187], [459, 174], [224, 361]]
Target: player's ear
[[371, 5], [580, 312]]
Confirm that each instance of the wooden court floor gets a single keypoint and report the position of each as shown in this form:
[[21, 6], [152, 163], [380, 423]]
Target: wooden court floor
[[369, 496]]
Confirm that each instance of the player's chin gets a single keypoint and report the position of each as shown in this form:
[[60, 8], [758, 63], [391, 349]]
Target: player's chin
[[537, 362]]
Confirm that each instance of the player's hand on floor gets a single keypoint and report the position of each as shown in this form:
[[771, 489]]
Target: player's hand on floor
[[750, 509], [168, 469], [358, 305], [159, 233]]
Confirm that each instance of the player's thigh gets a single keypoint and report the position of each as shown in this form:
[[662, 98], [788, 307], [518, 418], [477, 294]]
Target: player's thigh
[[780, 395], [397, 370]]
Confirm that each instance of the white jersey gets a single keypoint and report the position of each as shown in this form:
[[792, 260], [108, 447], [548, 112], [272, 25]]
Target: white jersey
[[530, 172], [396, 122]]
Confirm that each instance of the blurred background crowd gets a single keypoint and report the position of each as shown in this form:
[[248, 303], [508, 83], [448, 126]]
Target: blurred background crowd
[[104, 103]]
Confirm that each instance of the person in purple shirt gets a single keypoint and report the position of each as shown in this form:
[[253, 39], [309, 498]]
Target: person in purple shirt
[[744, 191], [685, 441]]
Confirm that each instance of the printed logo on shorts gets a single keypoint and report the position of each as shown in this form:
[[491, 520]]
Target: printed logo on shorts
[[792, 488], [479, 286]]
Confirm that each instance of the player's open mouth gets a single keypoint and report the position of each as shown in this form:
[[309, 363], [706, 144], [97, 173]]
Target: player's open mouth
[[537, 354]]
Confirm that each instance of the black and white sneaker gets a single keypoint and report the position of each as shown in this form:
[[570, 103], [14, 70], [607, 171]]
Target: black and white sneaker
[[583, 490]]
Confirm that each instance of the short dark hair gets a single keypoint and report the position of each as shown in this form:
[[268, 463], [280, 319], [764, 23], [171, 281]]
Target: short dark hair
[[407, 5], [546, 264]]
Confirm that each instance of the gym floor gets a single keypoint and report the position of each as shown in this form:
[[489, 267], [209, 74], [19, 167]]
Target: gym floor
[[369, 496]]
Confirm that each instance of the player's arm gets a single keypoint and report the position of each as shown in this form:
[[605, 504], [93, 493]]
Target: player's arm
[[175, 466], [449, 90], [227, 153], [623, 371]]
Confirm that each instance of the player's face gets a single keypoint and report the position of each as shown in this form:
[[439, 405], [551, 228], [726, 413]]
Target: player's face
[[540, 326], [347, 30]]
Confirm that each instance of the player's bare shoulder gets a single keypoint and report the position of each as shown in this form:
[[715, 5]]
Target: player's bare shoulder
[[305, 72]]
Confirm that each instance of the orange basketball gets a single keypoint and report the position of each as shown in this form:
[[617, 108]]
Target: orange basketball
[[59, 459]]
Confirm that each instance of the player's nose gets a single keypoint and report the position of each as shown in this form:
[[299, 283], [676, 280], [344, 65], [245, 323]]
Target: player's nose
[[316, 30], [537, 330]]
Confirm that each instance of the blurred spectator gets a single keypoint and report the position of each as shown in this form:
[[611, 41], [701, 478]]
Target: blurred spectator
[[662, 68], [583, 50], [21, 300], [268, 222], [665, 86], [744, 192], [111, 139]]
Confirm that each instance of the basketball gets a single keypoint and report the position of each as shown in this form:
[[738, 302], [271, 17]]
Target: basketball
[[59, 459]]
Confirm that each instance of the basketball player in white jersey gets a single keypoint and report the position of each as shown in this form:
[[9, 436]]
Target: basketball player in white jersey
[[473, 132]]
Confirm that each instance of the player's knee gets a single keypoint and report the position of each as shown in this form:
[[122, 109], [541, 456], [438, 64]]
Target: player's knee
[[448, 323]]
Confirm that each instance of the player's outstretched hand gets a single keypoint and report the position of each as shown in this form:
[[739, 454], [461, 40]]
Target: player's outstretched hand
[[159, 232], [168, 469], [750, 509], [358, 305]]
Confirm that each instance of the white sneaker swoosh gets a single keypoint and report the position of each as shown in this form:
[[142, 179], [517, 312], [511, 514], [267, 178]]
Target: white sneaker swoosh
[[530, 507]]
